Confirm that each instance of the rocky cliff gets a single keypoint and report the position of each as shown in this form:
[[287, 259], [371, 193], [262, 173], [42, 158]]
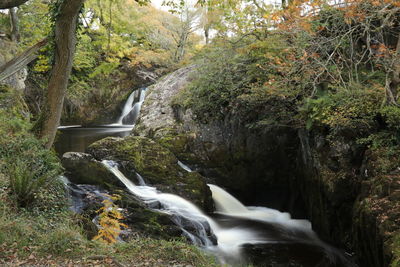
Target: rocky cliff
[[336, 184]]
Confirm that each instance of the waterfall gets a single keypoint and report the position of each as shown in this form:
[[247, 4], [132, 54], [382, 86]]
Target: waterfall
[[226, 204], [230, 238], [127, 107], [131, 109], [180, 209]]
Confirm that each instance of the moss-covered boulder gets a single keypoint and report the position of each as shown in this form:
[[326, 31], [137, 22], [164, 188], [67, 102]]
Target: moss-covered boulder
[[156, 164], [82, 168], [145, 221]]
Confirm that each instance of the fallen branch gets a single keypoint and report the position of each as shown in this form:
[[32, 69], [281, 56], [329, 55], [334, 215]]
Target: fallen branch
[[20, 61]]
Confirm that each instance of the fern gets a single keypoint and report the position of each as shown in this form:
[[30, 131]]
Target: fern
[[26, 179]]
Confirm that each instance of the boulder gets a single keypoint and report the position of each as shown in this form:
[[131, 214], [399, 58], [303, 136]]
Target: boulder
[[82, 168], [158, 166]]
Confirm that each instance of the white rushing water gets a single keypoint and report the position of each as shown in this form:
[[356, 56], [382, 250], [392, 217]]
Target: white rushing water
[[68, 126], [227, 204], [132, 107], [230, 238], [183, 166]]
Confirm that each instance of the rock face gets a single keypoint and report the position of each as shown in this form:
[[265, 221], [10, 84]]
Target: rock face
[[157, 113], [336, 184], [352, 203]]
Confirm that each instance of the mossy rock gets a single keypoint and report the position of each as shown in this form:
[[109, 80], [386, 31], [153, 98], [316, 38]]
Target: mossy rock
[[88, 227], [180, 144], [82, 168], [146, 221], [157, 164]]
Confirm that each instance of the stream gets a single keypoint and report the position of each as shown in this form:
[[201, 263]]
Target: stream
[[257, 235]]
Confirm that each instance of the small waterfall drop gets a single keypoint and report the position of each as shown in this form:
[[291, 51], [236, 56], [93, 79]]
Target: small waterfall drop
[[181, 210], [226, 204], [131, 109], [183, 166], [127, 107]]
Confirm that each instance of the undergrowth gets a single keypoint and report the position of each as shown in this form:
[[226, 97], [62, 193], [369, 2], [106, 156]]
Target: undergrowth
[[36, 226]]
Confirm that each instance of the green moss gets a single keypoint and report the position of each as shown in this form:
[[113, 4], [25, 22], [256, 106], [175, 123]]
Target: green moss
[[157, 164], [149, 158], [178, 143], [396, 251]]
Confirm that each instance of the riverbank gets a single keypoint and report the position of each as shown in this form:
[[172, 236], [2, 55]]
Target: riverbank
[[42, 230]]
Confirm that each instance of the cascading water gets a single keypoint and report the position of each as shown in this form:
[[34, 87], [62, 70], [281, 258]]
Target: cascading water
[[131, 109], [77, 138], [127, 107], [231, 225], [226, 204]]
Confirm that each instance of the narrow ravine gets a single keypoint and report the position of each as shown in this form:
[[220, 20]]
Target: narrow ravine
[[234, 233], [237, 226]]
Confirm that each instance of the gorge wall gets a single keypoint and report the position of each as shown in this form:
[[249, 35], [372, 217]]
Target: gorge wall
[[335, 184]]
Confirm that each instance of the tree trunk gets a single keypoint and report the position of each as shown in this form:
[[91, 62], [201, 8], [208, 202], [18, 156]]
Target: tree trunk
[[65, 41], [101, 18], [207, 33], [14, 22], [393, 79], [5, 4]]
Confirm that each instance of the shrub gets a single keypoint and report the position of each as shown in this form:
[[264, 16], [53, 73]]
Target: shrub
[[343, 110], [391, 115]]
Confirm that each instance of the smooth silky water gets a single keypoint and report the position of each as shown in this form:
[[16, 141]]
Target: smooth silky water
[[76, 138], [257, 235]]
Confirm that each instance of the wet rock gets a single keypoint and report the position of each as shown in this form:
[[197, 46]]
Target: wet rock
[[82, 168], [145, 221], [141, 220]]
